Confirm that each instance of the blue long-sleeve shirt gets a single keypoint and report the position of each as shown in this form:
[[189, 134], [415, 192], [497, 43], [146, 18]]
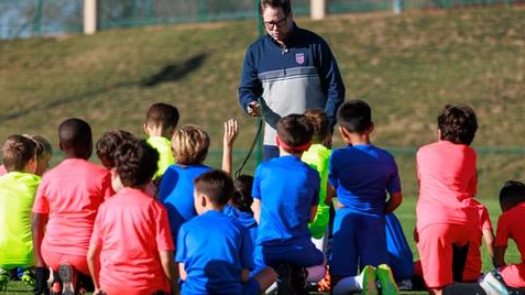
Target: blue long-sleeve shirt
[[292, 79]]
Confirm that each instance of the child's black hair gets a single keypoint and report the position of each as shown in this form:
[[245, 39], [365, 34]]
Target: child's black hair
[[217, 185], [355, 116], [242, 194], [136, 162], [295, 130], [75, 136], [512, 193], [163, 115], [458, 124], [107, 146]]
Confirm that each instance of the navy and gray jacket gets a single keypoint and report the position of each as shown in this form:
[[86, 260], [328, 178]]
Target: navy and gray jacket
[[291, 79]]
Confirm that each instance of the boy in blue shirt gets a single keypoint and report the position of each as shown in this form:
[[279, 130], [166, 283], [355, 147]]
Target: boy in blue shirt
[[213, 251], [286, 195], [362, 174]]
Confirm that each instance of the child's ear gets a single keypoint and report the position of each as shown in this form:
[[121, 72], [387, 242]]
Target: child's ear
[[145, 128], [203, 200], [371, 128], [344, 134], [31, 166], [116, 183]]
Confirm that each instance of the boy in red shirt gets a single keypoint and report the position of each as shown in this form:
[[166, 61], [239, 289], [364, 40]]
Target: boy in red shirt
[[66, 205], [505, 279], [510, 226], [446, 215], [131, 250]]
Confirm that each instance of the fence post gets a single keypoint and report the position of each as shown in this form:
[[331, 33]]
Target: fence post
[[90, 17], [203, 10], [37, 20], [317, 9], [397, 6]]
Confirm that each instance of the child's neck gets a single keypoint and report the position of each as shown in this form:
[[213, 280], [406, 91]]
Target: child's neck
[[157, 131], [358, 139], [212, 207], [75, 155], [283, 152]]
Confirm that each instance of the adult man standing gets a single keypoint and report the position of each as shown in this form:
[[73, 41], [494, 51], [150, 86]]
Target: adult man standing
[[292, 69]]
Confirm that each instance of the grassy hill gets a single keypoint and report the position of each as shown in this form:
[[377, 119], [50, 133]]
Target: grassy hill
[[406, 66]]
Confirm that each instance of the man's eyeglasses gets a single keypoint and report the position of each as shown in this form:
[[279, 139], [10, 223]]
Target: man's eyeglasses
[[279, 23]]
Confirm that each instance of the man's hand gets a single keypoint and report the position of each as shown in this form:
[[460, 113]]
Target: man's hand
[[42, 275], [254, 109]]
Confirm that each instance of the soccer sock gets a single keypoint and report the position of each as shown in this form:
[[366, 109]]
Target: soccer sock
[[316, 273], [349, 284]]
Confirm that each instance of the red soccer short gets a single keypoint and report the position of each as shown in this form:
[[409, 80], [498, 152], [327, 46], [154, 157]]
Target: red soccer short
[[435, 250], [54, 260]]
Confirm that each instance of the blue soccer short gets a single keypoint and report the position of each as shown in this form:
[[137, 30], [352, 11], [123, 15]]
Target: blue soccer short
[[358, 240], [298, 252]]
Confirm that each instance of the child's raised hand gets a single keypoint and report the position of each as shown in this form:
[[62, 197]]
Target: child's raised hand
[[231, 130]]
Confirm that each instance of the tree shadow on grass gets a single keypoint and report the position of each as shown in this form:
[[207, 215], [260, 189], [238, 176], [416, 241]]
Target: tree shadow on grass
[[173, 73], [168, 74]]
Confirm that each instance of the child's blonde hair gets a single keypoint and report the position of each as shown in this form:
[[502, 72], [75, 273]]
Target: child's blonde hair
[[190, 145]]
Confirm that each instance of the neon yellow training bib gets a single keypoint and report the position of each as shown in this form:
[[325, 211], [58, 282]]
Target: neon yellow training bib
[[17, 194]]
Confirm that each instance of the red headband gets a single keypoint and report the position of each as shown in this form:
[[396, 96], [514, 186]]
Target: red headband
[[301, 148]]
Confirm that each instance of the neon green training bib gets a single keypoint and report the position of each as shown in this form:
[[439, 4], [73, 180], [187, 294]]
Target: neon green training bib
[[17, 194]]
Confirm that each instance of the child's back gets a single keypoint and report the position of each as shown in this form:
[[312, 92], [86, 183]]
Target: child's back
[[71, 194], [132, 228], [17, 194], [317, 157], [287, 189], [286, 196], [67, 201], [176, 193], [161, 121], [362, 175], [214, 249], [447, 182]]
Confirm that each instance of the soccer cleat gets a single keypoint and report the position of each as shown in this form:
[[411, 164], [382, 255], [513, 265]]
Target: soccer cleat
[[369, 280], [28, 278], [386, 279], [493, 283], [67, 274], [4, 279]]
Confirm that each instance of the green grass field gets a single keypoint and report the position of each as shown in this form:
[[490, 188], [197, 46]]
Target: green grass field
[[407, 67]]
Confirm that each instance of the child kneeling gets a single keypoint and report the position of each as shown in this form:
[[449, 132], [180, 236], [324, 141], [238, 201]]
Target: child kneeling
[[213, 251], [286, 196], [131, 249]]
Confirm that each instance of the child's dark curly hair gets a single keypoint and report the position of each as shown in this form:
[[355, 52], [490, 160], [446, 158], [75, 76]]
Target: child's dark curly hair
[[136, 162], [107, 146], [512, 193], [242, 194], [458, 124]]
